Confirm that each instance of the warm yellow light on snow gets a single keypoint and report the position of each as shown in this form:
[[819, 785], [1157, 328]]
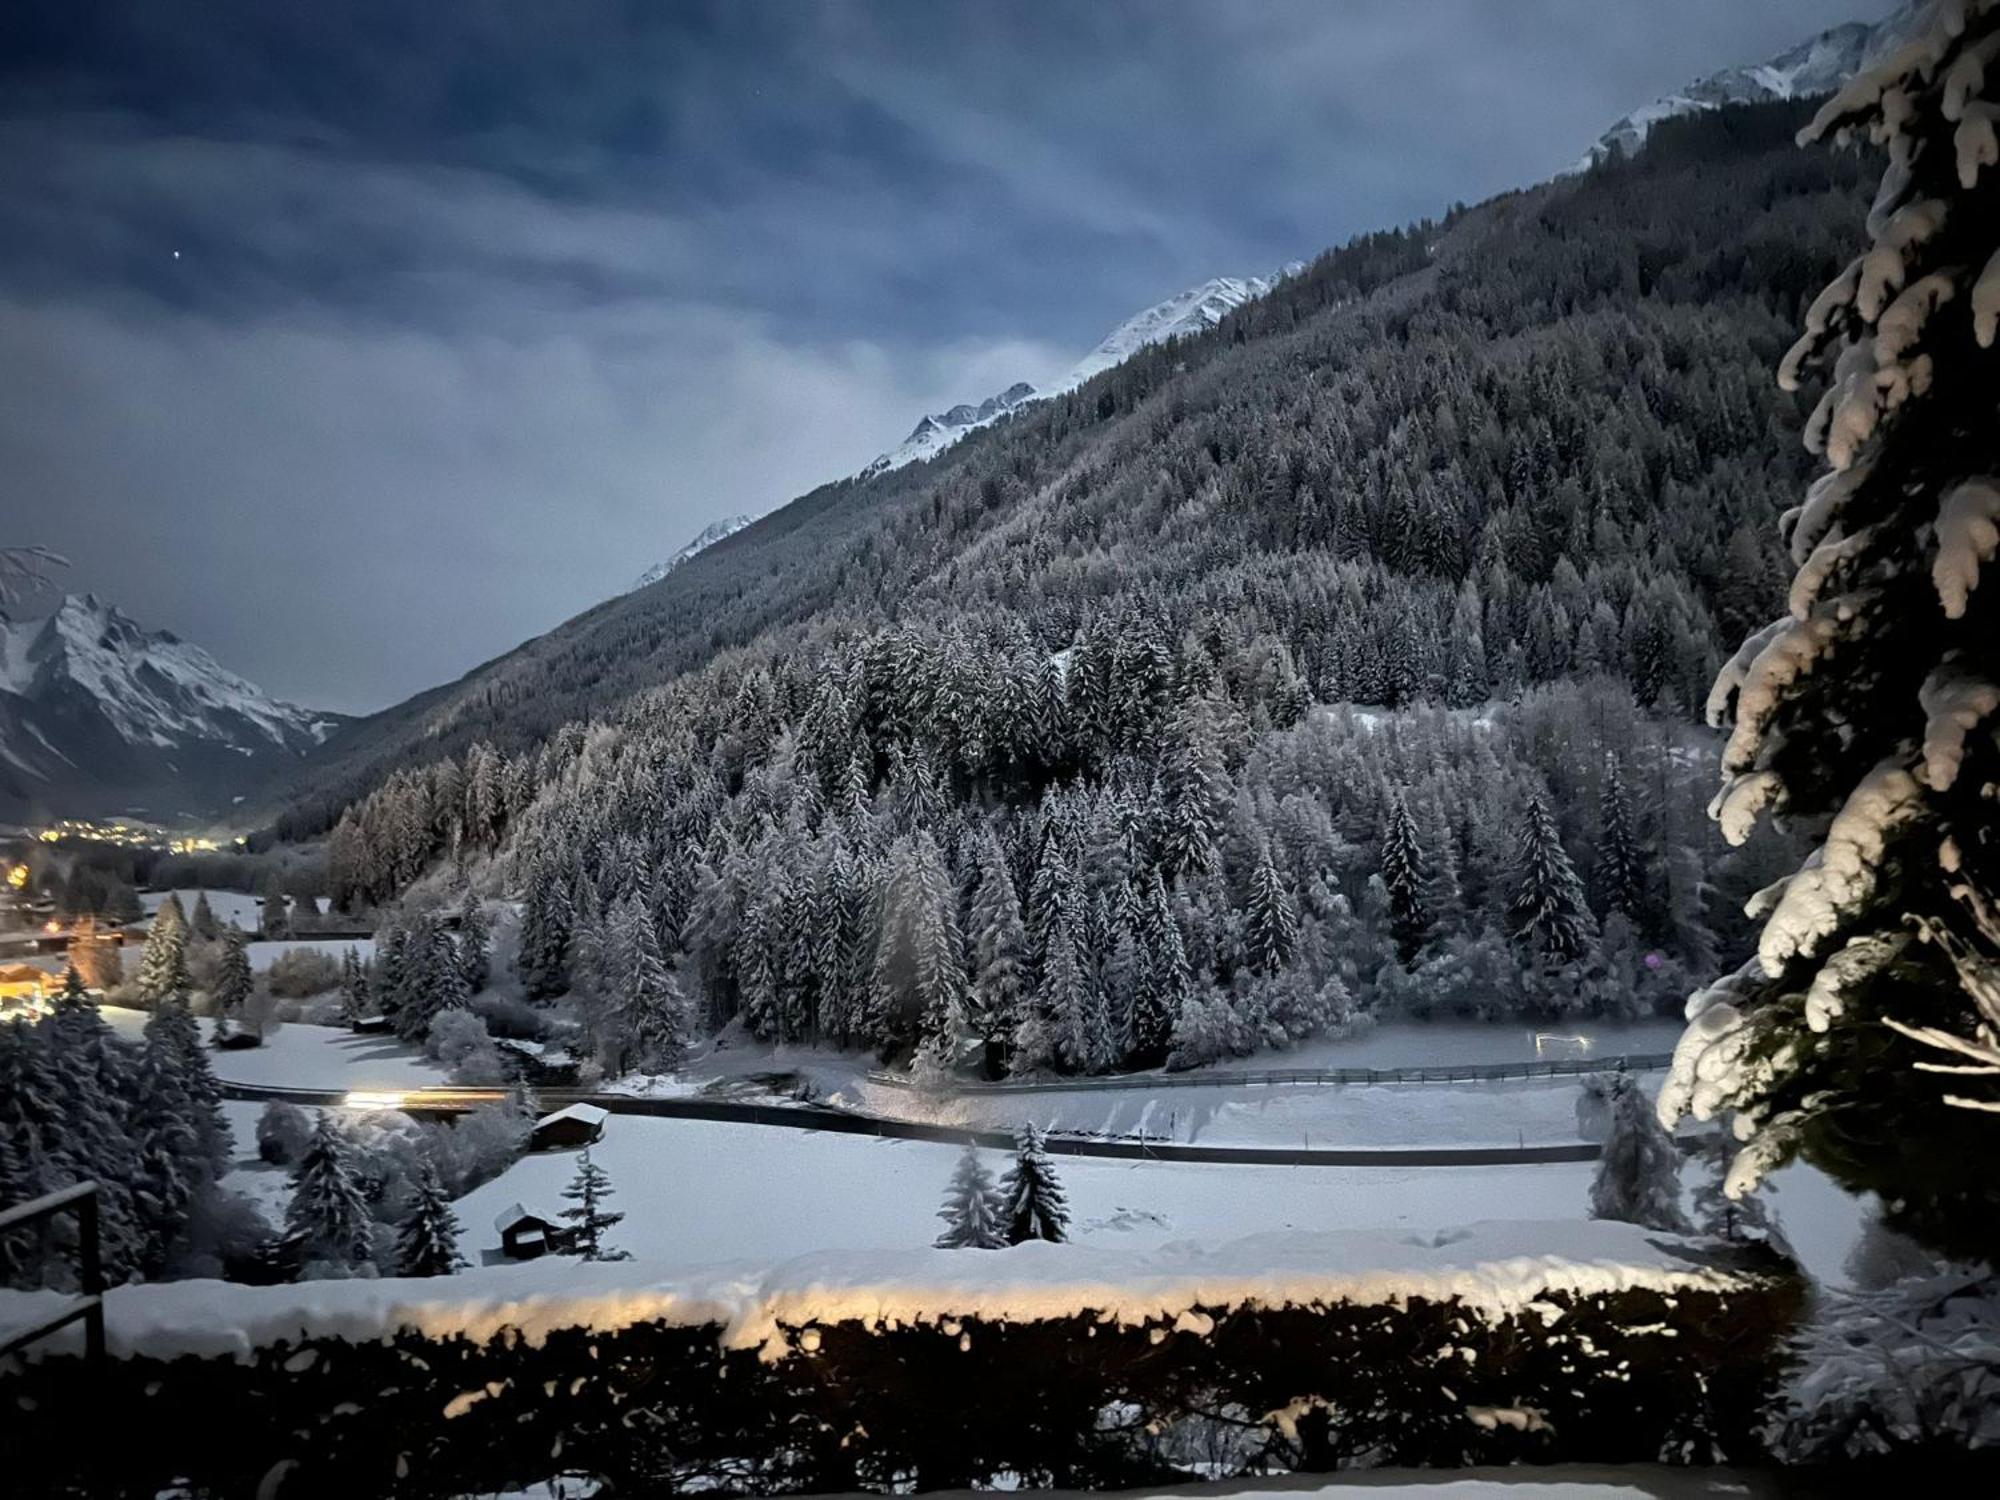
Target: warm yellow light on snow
[[373, 1099]]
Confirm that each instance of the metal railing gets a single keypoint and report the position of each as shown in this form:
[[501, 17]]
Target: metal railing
[[1568, 1067], [89, 1305]]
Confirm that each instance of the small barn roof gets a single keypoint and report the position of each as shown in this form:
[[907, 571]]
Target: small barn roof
[[514, 1214], [587, 1114]]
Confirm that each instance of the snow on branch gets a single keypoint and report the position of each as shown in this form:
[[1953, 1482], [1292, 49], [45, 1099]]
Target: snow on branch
[[1956, 699], [1968, 529], [1819, 898]]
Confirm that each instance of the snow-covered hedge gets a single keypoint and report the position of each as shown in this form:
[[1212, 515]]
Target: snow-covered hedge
[[1057, 1365]]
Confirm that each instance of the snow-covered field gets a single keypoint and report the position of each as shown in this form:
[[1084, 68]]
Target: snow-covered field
[[296, 1055], [697, 1190]]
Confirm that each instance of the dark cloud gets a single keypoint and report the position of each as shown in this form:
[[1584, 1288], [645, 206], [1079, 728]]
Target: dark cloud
[[480, 308]]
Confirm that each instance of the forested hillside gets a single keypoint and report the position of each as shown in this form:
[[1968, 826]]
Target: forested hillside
[[1025, 750]]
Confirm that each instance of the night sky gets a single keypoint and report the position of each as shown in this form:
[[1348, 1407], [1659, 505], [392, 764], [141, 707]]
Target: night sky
[[359, 341]]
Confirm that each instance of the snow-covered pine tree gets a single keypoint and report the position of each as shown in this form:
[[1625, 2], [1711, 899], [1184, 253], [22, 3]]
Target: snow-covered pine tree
[[475, 945], [427, 1240], [172, 1026], [584, 957], [1638, 1177], [1032, 1204], [433, 983], [758, 973], [1865, 1032], [1406, 873], [1621, 876], [1271, 919], [201, 921], [919, 987], [95, 1075], [1548, 913], [37, 1154], [999, 950], [648, 1026], [327, 1215], [1163, 983], [1193, 768], [172, 1168], [972, 1207], [542, 962], [391, 970], [163, 963], [354, 997], [588, 1190], [233, 982]]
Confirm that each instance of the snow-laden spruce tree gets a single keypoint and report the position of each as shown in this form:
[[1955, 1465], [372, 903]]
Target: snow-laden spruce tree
[[427, 1240], [233, 982], [201, 921], [1550, 917], [390, 970], [1271, 919], [972, 1208], [327, 1215], [475, 945], [1621, 876], [1406, 874], [1033, 1206], [588, 1190], [1164, 981], [354, 997], [542, 960], [172, 1028], [1865, 1032], [644, 1023], [1639, 1175], [999, 948], [163, 963]]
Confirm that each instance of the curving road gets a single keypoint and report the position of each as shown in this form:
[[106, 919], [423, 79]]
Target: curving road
[[441, 1101]]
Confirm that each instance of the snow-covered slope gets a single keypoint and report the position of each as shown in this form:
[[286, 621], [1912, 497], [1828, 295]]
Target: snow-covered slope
[[707, 537], [940, 430], [1815, 66], [1193, 311], [92, 701]]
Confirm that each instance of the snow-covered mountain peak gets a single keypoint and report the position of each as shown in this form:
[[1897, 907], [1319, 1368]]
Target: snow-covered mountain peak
[[939, 430], [1818, 65], [707, 537], [100, 714], [150, 686], [1193, 311]]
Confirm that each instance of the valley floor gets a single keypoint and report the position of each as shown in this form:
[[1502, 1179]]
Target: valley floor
[[698, 1191]]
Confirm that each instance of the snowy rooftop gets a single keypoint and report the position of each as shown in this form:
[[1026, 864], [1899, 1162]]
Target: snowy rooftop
[[588, 1114], [1495, 1267], [513, 1214]]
